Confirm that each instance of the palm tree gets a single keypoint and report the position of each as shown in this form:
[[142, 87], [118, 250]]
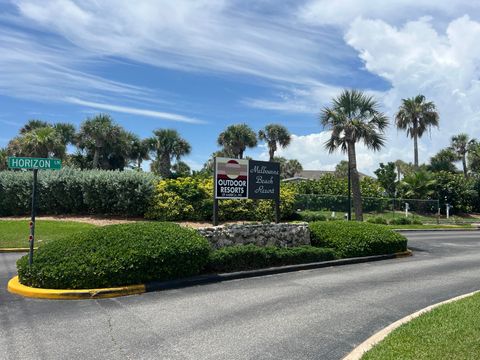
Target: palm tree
[[236, 138], [139, 151], [291, 167], [416, 115], [167, 145], [96, 133], [418, 185], [400, 167], [354, 117], [32, 125], [3, 158], [459, 144], [275, 134], [444, 161], [39, 142]]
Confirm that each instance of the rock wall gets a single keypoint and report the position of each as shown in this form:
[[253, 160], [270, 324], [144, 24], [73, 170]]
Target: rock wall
[[283, 235]]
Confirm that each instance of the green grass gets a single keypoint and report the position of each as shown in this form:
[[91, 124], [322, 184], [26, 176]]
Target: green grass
[[14, 233], [451, 331]]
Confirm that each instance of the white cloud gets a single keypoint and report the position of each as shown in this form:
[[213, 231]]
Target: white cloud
[[310, 151], [342, 12], [206, 35], [417, 59], [135, 111]]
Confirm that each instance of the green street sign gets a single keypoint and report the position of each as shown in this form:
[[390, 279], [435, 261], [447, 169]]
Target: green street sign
[[34, 163]]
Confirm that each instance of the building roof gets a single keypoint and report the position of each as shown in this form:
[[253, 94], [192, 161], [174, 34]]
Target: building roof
[[315, 175]]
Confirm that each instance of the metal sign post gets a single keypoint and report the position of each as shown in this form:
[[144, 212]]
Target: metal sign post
[[32, 221], [33, 164]]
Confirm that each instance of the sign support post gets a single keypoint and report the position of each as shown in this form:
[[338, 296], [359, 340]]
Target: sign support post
[[277, 211], [32, 221], [28, 163], [215, 200]]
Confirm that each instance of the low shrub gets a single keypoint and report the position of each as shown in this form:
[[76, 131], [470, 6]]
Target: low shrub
[[378, 220], [192, 199], [404, 221], [351, 239], [247, 257], [310, 216], [116, 255]]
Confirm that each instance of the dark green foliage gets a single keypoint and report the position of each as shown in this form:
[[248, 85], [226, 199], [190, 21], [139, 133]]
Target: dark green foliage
[[387, 177], [444, 161], [459, 191], [330, 193], [404, 221], [247, 257], [71, 191], [117, 255], [378, 220], [351, 239], [310, 216]]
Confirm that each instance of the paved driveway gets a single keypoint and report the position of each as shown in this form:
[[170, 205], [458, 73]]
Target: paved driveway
[[315, 314]]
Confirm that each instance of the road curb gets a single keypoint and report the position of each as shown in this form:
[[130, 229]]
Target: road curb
[[368, 344], [15, 287], [15, 250], [435, 230]]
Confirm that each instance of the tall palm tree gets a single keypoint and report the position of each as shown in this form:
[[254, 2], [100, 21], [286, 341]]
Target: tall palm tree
[[167, 144], [416, 115], [236, 138], [353, 117], [459, 144], [97, 132], [274, 135]]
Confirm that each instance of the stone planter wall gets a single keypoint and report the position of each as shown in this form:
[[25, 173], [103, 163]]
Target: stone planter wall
[[283, 235]]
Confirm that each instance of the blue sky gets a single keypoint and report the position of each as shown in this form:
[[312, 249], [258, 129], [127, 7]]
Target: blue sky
[[199, 66]]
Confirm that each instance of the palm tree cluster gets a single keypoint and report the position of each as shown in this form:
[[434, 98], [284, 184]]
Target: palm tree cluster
[[101, 144], [236, 138]]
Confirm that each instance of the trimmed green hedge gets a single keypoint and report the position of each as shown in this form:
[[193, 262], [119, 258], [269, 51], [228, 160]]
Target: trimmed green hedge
[[247, 257], [117, 255], [71, 191], [351, 239], [404, 221]]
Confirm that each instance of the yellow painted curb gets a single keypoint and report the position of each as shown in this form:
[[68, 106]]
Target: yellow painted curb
[[368, 344], [15, 287], [404, 254], [14, 250]]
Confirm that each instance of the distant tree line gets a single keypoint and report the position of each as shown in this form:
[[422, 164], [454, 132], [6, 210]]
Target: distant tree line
[[101, 143]]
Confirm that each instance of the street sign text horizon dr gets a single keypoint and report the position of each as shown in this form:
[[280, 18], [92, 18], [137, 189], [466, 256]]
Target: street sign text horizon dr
[[34, 163]]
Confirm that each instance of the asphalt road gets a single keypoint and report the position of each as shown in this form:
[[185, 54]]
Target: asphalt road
[[315, 314]]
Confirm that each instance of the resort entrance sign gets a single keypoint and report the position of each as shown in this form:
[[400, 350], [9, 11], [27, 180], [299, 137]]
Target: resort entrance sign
[[246, 179]]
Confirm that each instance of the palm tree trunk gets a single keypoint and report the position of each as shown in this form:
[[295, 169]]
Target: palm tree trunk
[[464, 164], [165, 166], [357, 195], [415, 150], [96, 156], [271, 153]]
